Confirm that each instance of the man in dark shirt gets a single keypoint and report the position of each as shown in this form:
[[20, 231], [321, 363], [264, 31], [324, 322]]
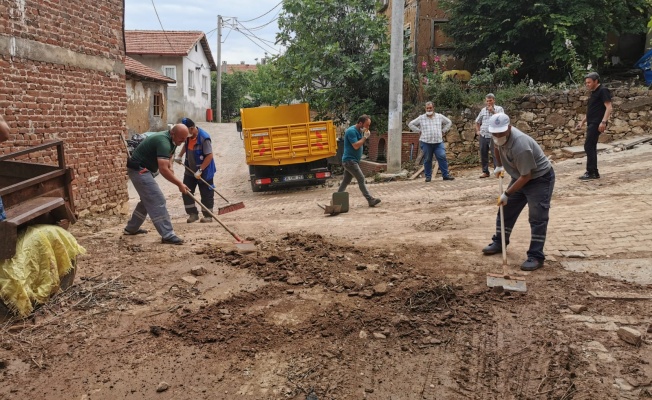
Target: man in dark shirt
[[597, 115]]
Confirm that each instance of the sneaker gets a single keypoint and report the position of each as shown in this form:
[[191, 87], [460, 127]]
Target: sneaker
[[172, 240], [138, 232], [206, 220], [493, 248], [374, 202], [428, 179], [484, 175], [587, 176], [449, 178], [192, 218], [531, 264]]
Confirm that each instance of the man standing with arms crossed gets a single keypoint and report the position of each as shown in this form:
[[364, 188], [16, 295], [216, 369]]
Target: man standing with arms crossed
[[354, 138], [432, 126], [484, 137], [152, 155], [597, 115]]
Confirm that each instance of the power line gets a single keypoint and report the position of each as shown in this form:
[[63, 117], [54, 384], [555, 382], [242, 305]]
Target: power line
[[260, 16], [254, 35], [252, 41], [161, 23]]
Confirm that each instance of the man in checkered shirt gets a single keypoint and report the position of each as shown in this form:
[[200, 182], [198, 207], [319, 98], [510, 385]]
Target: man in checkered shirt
[[481, 125], [432, 127]]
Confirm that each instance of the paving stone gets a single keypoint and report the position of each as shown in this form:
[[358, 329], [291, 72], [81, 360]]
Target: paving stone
[[630, 335]]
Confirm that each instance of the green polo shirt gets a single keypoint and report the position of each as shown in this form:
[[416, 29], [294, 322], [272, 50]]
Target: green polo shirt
[[155, 146]]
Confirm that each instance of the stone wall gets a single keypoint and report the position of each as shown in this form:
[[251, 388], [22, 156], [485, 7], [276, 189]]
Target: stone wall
[[63, 78], [550, 119]]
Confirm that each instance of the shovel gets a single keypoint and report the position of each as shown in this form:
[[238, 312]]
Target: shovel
[[222, 210], [513, 283], [332, 209], [242, 246]]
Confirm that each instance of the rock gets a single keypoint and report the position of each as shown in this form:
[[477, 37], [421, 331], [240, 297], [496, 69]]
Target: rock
[[380, 289], [198, 271], [235, 262], [630, 335], [3, 364], [162, 387], [274, 258], [289, 291], [224, 311], [294, 280], [155, 330], [378, 335], [361, 267], [362, 335], [622, 384], [367, 294], [578, 309], [189, 279]]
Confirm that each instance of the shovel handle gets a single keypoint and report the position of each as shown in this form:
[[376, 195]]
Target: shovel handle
[[207, 184], [502, 227], [236, 237]]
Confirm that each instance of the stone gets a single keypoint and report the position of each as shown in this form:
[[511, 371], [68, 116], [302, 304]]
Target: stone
[[294, 280], [3, 364], [162, 387], [189, 279], [367, 294], [630, 335], [380, 289], [578, 308], [363, 335], [596, 346], [198, 271], [622, 384], [378, 335]]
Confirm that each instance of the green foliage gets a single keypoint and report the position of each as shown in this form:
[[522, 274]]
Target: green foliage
[[538, 31], [447, 95], [266, 87], [336, 58], [235, 87], [496, 70]]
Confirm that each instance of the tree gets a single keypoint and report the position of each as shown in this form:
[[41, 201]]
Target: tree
[[265, 88], [235, 87], [552, 37], [336, 58]]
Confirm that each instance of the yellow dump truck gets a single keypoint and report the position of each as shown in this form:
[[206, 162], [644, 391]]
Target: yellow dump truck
[[283, 148]]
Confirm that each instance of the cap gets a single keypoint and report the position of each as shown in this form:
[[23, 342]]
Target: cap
[[187, 122], [593, 75], [498, 123]]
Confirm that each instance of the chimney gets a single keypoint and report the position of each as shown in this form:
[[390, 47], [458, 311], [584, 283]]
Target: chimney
[[242, 63]]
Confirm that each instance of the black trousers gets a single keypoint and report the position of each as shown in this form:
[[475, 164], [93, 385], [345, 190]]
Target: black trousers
[[591, 148], [207, 195]]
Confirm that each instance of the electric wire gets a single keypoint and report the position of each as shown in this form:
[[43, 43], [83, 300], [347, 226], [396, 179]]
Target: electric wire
[[260, 16]]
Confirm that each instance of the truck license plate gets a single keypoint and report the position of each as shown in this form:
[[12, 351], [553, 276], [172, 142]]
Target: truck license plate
[[293, 178]]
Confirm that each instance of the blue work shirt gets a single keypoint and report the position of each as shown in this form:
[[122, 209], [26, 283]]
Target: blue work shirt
[[351, 136]]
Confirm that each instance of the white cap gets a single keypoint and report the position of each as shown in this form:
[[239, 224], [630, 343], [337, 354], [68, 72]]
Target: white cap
[[498, 123]]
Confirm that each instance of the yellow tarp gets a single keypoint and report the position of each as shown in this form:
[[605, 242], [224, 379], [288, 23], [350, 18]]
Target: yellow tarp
[[44, 253]]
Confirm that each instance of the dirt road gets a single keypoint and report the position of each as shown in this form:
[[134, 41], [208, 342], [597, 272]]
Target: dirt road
[[379, 303]]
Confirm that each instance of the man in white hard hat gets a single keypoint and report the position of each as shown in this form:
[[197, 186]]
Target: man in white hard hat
[[533, 181]]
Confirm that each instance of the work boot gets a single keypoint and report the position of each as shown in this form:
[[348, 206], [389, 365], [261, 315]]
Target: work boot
[[172, 240], [531, 264], [588, 175], [206, 219], [428, 179], [449, 178], [484, 175], [192, 218], [374, 202], [493, 248]]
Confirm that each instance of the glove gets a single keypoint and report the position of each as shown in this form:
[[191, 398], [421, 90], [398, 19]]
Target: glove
[[367, 134], [502, 199], [198, 173], [177, 160], [499, 171]]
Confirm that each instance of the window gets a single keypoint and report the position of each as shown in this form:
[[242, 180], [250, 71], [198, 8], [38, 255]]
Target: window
[[171, 72], [191, 79], [439, 38], [158, 105], [204, 84]]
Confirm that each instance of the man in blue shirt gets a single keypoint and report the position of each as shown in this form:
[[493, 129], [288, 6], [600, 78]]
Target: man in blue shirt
[[354, 139], [4, 136]]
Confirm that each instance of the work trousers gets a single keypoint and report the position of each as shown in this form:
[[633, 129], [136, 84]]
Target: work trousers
[[352, 170], [206, 192], [486, 152], [152, 203], [591, 148]]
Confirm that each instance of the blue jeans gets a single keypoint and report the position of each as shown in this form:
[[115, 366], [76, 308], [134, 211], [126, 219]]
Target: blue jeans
[[536, 194], [351, 170], [3, 216], [152, 202], [440, 153]]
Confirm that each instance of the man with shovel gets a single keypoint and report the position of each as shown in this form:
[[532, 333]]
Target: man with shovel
[[199, 158], [533, 180]]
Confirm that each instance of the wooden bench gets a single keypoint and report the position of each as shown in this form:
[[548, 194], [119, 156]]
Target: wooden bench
[[25, 212]]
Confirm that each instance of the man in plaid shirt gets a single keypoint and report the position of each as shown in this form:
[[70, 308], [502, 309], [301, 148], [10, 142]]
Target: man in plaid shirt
[[432, 126], [481, 130]]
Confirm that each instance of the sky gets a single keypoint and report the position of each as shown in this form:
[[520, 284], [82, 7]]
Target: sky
[[248, 43]]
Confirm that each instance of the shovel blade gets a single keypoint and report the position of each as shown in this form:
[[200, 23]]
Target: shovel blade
[[511, 283], [245, 247]]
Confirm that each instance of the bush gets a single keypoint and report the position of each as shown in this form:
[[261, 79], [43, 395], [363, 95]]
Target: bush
[[447, 95]]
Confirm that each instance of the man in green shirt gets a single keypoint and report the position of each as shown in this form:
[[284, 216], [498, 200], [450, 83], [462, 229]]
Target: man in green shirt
[[155, 154]]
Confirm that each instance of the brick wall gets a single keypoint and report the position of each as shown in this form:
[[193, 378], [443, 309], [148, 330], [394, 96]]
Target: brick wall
[[378, 147], [63, 78]]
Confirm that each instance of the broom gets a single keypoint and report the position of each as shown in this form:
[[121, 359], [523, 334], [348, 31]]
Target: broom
[[221, 210]]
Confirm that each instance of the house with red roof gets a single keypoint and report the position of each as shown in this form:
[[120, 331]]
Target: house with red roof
[[183, 56], [147, 95]]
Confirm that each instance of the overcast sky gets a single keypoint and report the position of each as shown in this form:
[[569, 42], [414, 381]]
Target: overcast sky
[[201, 15]]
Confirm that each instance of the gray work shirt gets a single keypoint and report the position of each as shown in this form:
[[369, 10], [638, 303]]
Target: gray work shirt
[[522, 155]]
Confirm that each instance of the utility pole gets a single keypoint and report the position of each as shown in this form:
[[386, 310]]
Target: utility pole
[[395, 122], [218, 90]]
